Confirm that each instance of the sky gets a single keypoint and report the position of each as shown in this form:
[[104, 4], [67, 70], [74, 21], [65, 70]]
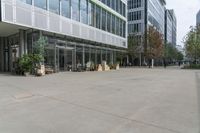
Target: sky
[[185, 11]]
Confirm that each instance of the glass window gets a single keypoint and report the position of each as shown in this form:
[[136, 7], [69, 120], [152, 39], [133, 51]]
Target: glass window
[[121, 7], [113, 4], [103, 20], [117, 5], [124, 10], [41, 4], [54, 6], [117, 26], [65, 8], [90, 14], [108, 3], [93, 15], [83, 10], [26, 1], [108, 22], [98, 17], [121, 27], [124, 29], [113, 24], [75, 10]]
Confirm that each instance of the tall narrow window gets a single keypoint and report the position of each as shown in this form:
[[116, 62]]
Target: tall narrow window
[[93, 14], [108, 22], [89, 14], [113, 4], [103, 19], [54, 6], [84, 11], [113, 24], [117, 26], [124, 29], [41, 4], [65, 8], [98, 17], [75, 10]]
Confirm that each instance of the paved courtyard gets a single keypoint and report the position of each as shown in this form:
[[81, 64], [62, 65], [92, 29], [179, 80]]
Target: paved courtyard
[[130, 100]]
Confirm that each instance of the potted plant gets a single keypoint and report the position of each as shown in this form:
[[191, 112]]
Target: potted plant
[[38, 56], [25, 64]]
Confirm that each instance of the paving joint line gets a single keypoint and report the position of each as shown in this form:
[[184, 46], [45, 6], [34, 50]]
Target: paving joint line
[[114, 115]]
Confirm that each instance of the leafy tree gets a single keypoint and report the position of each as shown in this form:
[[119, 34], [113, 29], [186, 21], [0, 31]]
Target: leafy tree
[[134, 45], [180, 56], [39, 49], [171, 53], [192, 43], [154, 48]]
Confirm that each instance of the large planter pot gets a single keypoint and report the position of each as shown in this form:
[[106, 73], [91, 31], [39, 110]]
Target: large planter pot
[[26, 74], [41, 71]]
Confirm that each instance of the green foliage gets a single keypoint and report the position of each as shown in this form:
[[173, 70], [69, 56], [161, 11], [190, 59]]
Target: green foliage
[[134, 42], [192, 66], [192, 43], [25, 63], [28, 62], [180, 56], [154, 48], [39, 49], [171, 53]]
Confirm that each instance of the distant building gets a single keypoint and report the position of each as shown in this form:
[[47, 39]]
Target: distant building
[[170, 27], [141, 15], [198, 18]]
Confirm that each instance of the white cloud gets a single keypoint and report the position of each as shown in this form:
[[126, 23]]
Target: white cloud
[[185, 11]]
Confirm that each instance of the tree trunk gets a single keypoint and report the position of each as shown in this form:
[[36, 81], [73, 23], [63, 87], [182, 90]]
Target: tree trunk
[[152, 63]]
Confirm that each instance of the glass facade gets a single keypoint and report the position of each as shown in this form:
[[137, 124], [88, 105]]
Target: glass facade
[[26, 1], [108, 22], [75, 10], [84, 11], [116, 5], [98, 17], [135, 4], [41, 4], [66, 8], [103, 20], [89, 13], [54, 6], [156, 14]]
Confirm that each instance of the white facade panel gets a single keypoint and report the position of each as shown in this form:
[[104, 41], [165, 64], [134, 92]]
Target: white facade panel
[[29, 16]]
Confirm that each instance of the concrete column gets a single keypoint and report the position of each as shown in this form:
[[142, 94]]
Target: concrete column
[[101, 56], [25, 43], [111, 56], [65, 59], [21, 42], [55, 64], [10, 63], [95, 60], [83, 56], [6, 58], [90, 53], [74, 58], [1, 54]]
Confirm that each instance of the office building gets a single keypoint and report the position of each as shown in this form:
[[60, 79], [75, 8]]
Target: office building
[[170, 27], [77, 31], [198, 18], [141, 15]]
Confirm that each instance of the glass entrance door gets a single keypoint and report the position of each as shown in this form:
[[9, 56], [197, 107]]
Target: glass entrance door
[[64, 61]]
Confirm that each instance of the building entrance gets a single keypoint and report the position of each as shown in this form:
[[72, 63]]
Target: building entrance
[[65, 59]]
